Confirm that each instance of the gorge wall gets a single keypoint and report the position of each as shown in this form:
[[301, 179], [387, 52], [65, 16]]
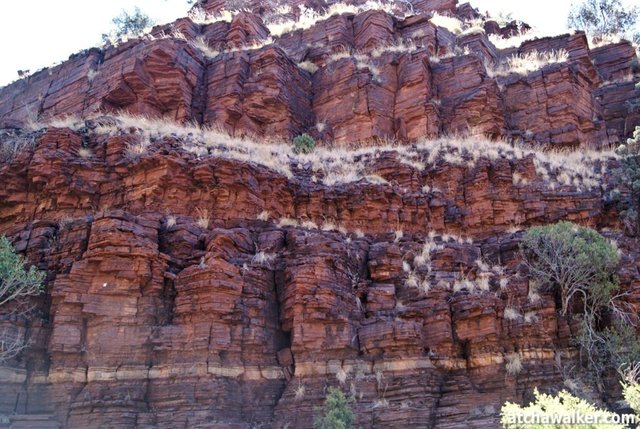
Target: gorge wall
[[206, 281], [347, 78]]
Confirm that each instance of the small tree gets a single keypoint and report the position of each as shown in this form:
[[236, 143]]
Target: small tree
[[303, 144], [16, 283], [337, 412], [127, 24], [603, 17], [574, 259]]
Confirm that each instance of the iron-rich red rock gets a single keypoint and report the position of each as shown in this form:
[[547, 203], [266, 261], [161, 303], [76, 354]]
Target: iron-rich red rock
[[227, 287]]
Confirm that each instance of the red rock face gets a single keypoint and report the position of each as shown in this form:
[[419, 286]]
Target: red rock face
[[169, 304], [370, 66], [211, 284]]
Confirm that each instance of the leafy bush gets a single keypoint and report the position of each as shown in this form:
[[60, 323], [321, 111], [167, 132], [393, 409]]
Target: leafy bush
[[303, 144], [576, 260], [127, 24], [631, 393], [621, 346], [603, 17], [16, 283], [553, 409], [337, 412]]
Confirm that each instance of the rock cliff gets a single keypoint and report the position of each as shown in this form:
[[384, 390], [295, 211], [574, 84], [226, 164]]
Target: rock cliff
[[200, 274]]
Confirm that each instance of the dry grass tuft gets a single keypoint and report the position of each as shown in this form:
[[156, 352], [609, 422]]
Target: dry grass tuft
[[91, 75], [513, 363], [455, 51], [511, 313], [342, 376], [606, 39], [200, 16], [530, 317], [579, 170], [527, 63], [300, 392], [202, 219], [513, 41], [202, 45], [85, 153], [264, 259], [309, 17], [10, 149], [138, 149], [287, 221], [452, 24], [308, 66]]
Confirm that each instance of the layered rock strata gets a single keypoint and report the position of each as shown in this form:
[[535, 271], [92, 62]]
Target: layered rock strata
[[377, 74], [204, 291]]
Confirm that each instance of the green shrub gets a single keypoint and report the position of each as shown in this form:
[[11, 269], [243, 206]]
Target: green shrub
[[304, 143], [577, 262], [574, 259], [631, 393], [555, 409], [16, 283], [603, 17], [337, 412], [127, 24]]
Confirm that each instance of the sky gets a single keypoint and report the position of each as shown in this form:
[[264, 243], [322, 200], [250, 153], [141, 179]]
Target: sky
[[40, 33]]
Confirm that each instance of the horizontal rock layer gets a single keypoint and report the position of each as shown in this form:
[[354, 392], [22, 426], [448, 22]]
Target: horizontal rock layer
[[197, 280], [347, 78], [170, 304]]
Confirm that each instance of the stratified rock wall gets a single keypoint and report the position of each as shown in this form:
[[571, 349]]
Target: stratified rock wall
[[197, 280], [347, 78], [169, 304]]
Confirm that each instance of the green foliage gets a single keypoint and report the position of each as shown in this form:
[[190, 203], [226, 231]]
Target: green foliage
[[579, 262], [15, 281], [303, 144], [575, 259], [629, 176], [621, 345], [128, 25], [337, 412], [631, 392], [630, 386], [555, 409], [611, 348], [603, 17]]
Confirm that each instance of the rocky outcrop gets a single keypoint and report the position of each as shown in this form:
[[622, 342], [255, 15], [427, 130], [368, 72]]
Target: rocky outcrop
[[346, 78], [177, 295], [206, 276]]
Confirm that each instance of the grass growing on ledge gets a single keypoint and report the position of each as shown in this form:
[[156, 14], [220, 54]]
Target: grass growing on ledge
[[573, 170], [527, 63], [309, 17]]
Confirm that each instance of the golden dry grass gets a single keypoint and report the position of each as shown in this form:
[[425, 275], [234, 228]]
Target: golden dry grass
[[527, 63], [578, 170]]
